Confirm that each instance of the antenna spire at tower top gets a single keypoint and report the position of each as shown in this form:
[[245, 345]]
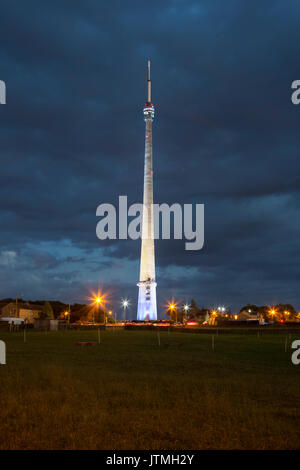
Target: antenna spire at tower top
[[149, 83]]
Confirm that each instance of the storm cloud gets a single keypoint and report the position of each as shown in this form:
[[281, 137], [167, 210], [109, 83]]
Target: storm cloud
[[225, 134]]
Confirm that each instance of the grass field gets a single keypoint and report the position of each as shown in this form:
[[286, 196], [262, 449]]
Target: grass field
[[129, 393]]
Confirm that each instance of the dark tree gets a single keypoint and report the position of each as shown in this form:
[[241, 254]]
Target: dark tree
[[47, 311]]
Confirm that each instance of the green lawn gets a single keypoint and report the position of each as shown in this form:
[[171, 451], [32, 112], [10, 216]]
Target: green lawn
[[129, 393]]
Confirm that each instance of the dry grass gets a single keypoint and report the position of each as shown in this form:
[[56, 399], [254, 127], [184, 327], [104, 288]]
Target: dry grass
[[128, 393]]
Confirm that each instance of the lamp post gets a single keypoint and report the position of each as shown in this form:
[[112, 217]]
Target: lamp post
[[222, 310], [19, 295], [273, 312], [98, 301], [212, 317], [125, 304], [186, 308], [172, 308], [68, 314]]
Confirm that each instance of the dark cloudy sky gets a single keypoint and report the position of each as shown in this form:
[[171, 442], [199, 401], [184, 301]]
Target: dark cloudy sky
[[225, 134]]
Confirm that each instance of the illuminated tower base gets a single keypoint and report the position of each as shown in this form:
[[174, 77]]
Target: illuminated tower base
[[147, 309], [147, 286]]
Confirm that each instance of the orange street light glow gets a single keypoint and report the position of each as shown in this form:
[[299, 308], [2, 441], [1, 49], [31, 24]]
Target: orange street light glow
[[98, 298], [171, 305]]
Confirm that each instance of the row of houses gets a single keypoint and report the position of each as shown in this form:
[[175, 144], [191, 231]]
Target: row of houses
[[24, 311]]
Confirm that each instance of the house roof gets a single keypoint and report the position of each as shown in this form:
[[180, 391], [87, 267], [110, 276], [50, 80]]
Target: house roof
[[24, 306]]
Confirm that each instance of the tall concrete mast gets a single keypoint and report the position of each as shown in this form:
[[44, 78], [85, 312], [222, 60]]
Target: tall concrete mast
[[147, 308]]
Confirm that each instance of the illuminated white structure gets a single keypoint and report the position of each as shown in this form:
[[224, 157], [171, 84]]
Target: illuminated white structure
[[147, 286]]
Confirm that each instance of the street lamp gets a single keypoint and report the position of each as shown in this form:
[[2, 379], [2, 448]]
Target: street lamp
[[212, 317], [287, 313], [186, 308], [68, 315], [99, 301], [19, 295], [272, 312], [172, 307], [125, 303]]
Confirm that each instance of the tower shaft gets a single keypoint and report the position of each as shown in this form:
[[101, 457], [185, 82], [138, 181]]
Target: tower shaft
[[147, 286]]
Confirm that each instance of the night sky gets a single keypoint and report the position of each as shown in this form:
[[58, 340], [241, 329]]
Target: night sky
[[225, 134]]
